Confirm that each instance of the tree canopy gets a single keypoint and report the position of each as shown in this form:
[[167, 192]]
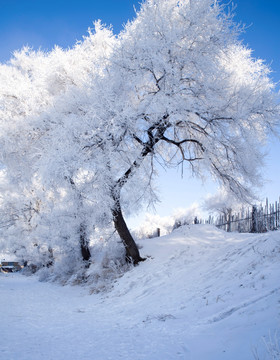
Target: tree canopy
[[83, 129]]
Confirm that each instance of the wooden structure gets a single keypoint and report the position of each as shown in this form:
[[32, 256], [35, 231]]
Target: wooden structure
[[10, 266], [257, 219]]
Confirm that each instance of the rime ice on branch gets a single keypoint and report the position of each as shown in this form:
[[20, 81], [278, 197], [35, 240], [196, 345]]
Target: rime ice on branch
[[82, 129]]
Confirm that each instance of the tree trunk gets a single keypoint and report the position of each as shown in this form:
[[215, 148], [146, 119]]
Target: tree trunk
[[85, 252], [132, 252], [155, 133], [84, 244]]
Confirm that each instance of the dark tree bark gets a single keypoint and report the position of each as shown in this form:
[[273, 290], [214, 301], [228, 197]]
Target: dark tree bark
[[51, 258], [85, 252], [132, 252], [254, 228], [84, 244], [154, 134]]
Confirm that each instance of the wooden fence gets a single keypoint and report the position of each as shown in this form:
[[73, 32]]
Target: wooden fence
[[256, 219]]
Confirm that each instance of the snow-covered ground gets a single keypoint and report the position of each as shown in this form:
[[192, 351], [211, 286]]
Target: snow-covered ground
[[202, 294]]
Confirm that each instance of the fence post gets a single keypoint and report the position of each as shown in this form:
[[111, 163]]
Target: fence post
[[254, 228], [158, 232], [229, 221]]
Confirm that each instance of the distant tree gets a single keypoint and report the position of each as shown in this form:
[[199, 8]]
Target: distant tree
[[224, 203], [175, 86]]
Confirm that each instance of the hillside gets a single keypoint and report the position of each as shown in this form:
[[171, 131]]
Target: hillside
[[201, 294]]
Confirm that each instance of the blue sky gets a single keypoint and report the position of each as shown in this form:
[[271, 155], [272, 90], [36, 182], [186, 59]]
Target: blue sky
[[44, 23]]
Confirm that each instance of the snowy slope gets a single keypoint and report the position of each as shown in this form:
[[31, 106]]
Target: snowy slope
[[201, 294]]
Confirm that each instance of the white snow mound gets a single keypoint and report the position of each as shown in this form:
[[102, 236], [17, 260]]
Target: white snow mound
[[201, 294]]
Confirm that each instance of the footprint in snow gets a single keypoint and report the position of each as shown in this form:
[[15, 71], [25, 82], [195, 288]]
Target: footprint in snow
[[160, 317]]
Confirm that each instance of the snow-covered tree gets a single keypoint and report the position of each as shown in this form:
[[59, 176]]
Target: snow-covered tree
[[175, 86], [153, 225], [223, 203], [190, 93]]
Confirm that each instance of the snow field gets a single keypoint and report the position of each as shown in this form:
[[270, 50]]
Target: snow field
[[201, 294]]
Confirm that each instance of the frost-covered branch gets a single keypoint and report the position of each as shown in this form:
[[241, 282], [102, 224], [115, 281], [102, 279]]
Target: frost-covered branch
[[176, 85]]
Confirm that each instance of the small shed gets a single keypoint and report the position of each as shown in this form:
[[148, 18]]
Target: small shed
[[10, 266]]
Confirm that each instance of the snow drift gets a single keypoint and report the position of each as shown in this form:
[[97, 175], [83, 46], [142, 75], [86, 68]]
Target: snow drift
[[201, 294]]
